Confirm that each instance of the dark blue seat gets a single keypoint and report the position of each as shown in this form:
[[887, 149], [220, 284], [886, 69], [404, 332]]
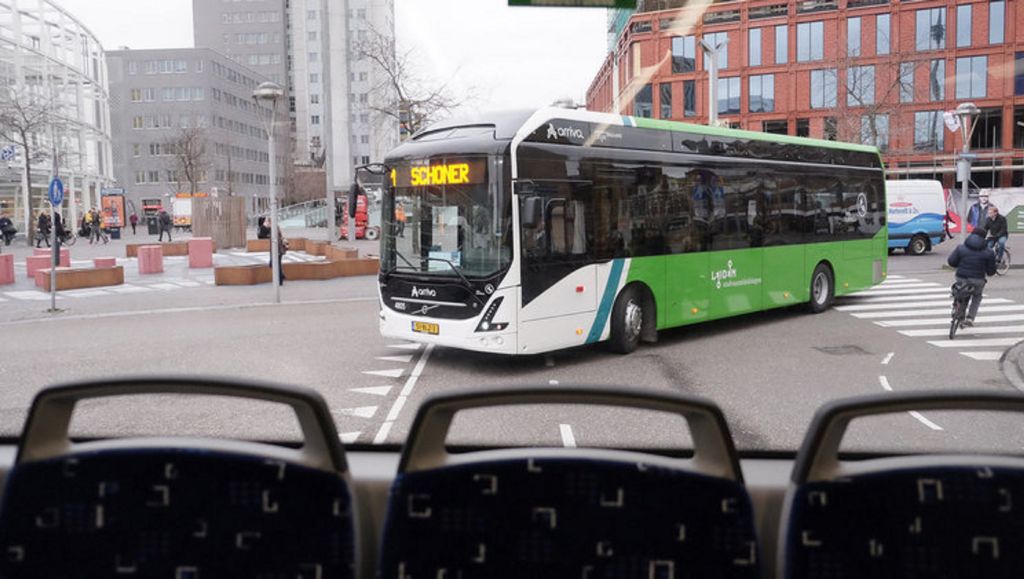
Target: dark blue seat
[[567, 518], [177, 514], [933, 522]]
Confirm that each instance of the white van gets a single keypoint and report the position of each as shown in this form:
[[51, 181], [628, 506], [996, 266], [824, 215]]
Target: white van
[[917, 214]]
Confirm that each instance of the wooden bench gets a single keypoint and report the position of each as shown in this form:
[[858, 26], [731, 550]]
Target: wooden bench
[[338, 253], [178, 248], [101, 262], [71, 278], [313, 270], [257, 245], [241, 274]]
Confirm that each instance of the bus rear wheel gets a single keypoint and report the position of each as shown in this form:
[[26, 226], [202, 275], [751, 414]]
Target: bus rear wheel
[[822, 289], [627, 322]]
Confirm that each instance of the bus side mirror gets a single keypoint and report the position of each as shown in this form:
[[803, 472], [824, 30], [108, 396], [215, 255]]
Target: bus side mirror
[[531, 215], [353, 198]]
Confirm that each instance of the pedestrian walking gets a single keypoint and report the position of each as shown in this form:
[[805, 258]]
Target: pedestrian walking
[[263, 228], [58, 228], [96, 228], [134, 221], [166, 224], [400, 219], [282, 248], [7, 229], [43, 229]]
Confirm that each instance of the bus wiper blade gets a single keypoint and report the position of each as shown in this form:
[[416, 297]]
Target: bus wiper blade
[[465, 280]]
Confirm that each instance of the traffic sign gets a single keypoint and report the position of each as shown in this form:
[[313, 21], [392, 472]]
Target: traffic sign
[[8, 153], [56, 191]]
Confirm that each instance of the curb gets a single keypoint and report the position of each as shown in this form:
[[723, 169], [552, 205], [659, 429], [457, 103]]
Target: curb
[[1012, 365]]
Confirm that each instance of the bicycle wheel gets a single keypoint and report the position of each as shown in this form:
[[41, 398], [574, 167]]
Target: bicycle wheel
[[959, 309], [1004, 264]]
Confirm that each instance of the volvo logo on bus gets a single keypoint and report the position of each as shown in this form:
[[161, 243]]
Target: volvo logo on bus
[[565, 132], [423, 292]]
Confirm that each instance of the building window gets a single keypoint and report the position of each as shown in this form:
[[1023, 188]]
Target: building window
[[762, 93], [882, 42], [690, 97], [860, 90], [364, 139], [810, 41], [963, 25], [684, 54], [314, 57], [996, 21], [874, 130], [136, 150], [971, 77], [831, 129], [931, 29], [642, 105], [311, 36], [775, 127], [729, 95], [781, 44], [314, 78], [906, 81], [715, 39], [314, 99], [136, 95], [928, 127], [823, 88], [666, 100], [1018, 74], [754, 48], [803, 127], [853, 36], [137, 123], [937, 80], [133, 67], [311, 15], [314, 120]]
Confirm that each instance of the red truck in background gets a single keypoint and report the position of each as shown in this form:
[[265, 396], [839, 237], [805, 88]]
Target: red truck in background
[[363, 228]]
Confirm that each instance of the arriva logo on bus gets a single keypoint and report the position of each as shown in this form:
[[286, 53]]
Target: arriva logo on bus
[[564, 132], [424, 292]]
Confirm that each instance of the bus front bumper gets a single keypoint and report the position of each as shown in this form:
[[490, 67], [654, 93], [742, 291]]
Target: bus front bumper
[[461, 334]]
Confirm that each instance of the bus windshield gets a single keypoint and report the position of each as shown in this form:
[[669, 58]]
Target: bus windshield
[[445, 217]]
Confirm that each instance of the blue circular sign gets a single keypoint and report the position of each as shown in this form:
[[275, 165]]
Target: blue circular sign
[[56, 191]]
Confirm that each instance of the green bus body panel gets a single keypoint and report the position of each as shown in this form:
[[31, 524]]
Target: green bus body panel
[[697, 287]]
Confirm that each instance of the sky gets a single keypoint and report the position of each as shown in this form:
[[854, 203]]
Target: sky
[[505, 57]]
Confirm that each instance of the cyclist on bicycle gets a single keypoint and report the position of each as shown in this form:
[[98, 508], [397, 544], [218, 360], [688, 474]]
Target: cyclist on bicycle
[[973, 261], [997, 232]]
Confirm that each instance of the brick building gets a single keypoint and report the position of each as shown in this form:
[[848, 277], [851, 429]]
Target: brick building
[[854, 70]]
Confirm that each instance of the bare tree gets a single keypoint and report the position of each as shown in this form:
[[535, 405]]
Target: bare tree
[[26, 115], [403, 95], [189, 158]]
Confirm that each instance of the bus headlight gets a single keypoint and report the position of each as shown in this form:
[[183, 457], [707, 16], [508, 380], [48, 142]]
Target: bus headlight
[[487, 324]]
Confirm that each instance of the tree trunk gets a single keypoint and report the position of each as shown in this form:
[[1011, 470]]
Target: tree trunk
[[29, 225]]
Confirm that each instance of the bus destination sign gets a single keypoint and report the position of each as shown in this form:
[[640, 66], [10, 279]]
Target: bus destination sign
[[436, 174]]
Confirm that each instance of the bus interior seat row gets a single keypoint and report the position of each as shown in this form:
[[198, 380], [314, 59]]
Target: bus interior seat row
[[198, 508]]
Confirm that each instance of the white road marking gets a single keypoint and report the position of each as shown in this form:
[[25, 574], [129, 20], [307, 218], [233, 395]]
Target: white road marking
[[409, 346], [975, 331], [888, 358], [187, 283], [399, 359], [903, 306], [130, 289], [921, 286], [397, 373], [359, 412], [410, 384], [983, 343], [985, 356], [898, 282], [553, 382], [932, 312], [374, 390], [885, 383], [945, 321], [165, 286], [924, 420], [29, 295], [349, 437], [87, 293], [896, 277], [899, 298], [568, 440], [925, 289]]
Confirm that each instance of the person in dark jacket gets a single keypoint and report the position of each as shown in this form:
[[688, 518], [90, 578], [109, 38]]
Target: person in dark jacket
[[262, 228], [997, 231], [973, 261], [43, 229], [166, 224]]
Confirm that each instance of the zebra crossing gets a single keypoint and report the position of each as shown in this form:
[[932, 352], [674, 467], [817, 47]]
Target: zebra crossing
[[920, 309], [127, 288]]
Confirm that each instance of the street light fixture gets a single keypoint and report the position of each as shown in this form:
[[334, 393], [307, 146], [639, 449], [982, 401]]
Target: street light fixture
[[712, 53], [966, 112], [270, 93]]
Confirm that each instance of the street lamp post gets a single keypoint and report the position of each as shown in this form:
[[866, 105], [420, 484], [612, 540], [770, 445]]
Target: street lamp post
[[712, 53], [966, 112], [270, 93]]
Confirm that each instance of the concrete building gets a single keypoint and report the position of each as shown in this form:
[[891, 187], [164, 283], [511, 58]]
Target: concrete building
[[857, 70], [164, 96], [332, 92], [48, 58]]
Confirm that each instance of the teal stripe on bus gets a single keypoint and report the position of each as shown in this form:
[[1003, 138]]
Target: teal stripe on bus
[[607, 301], [628, 121]]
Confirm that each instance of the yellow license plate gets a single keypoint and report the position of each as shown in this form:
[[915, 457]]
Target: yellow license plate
[[426, 328]]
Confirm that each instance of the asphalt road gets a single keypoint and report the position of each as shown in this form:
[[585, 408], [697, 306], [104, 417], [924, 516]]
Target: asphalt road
[[769, 371]]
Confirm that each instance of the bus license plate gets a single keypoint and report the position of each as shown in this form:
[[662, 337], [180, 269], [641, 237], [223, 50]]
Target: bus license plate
[[426, 328]]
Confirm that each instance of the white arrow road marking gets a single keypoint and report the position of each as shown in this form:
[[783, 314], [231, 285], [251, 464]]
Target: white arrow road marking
[[374, 390], [386, 373], [360, 412], [985, 356], [983, 343], [399, 359], [409, 346], [349, 437]]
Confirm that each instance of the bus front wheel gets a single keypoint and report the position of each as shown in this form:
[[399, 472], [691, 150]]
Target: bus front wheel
[[627, 322], [822, 289]]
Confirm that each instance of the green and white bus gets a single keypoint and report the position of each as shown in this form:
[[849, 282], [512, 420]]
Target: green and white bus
[[527, 232]]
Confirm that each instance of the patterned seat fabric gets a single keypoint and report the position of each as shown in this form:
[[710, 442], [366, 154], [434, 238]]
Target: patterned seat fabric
[[934, 523], [174, 514], [567, 518]]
